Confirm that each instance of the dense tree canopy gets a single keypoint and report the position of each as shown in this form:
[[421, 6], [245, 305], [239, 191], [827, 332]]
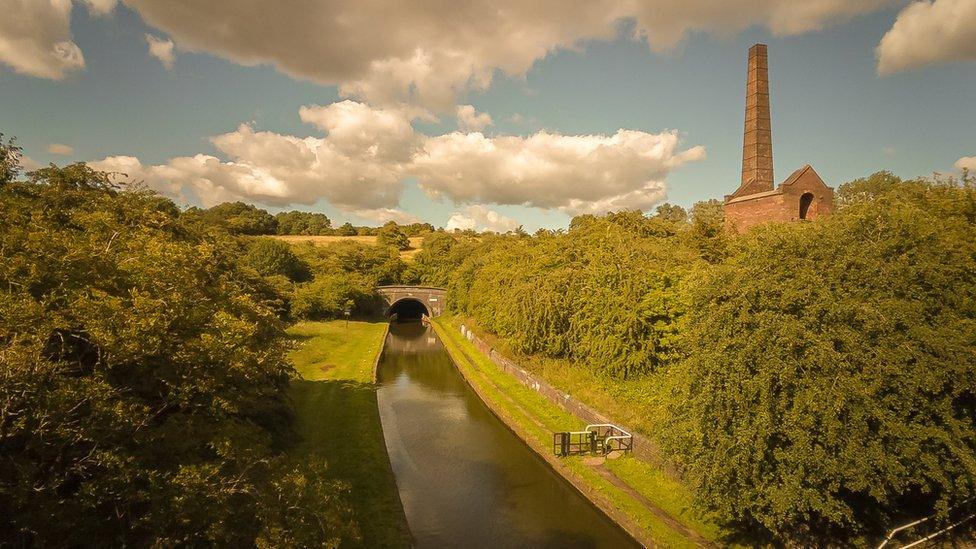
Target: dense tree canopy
[[272, 257], [142, 381], [345, 275], [391, 235], [818, 378], [830, 384], [236, 218], [303, 223], [605, 293]]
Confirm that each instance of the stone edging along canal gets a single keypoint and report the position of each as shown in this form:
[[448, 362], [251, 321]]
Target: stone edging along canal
[[644, 449], [379, 356], [600, 501]]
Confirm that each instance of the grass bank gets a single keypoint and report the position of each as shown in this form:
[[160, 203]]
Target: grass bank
[[337, 418], [416, 242], [636, 494]]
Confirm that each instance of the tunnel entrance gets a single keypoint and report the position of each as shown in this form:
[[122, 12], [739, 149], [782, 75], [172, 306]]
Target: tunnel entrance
[[408, 310]]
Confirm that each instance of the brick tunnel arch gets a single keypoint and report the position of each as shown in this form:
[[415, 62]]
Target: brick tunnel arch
[[433, 299], [408, 309]]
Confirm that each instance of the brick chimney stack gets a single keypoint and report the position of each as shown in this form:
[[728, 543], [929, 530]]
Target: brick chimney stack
[[757, 142]]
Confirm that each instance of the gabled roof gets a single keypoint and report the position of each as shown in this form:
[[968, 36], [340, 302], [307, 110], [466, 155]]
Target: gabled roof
[[792, 179], [797, 174], [746, 197]]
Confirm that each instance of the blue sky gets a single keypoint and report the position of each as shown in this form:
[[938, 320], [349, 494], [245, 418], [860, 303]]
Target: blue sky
[[829, 109]]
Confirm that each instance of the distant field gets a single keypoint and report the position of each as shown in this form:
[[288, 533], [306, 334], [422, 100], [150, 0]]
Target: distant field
[[415, 242]]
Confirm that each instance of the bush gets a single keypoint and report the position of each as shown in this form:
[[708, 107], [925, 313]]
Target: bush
[[391, 235], [271, 257], [303, 223], [143, 380], [235, 218], [830, 384], [328, 296], [346, 230]]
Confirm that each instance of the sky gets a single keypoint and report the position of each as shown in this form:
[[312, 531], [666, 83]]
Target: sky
[[481, 114]]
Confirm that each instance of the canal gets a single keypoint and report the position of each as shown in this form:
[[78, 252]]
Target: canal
[[466, 480]]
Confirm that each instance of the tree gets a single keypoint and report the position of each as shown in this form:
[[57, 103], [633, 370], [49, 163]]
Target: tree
[[272, 257], [142, 380], [10, 155], [671, 212], [391, 235], [346, 230], [708, 233], [329, 294], [236, 218], [828, 390], [303, 223]]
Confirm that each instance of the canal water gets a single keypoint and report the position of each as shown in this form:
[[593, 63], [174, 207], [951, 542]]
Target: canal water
[[466, 480]]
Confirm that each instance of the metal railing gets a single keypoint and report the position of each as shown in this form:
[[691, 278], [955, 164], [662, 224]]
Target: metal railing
[[598, 438]]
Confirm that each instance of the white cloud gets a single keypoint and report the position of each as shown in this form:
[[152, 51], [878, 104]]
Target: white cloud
[[426, 53], [480, 218], [101, 7], [60, 149], [29, 164], [929, 32], [382, 215], [470, 120], [161, 49], [35, 38], [575, 174], [361, 163], [967, 163]]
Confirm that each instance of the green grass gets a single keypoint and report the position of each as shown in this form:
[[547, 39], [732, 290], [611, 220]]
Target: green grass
[[337, 418], [538, 418]]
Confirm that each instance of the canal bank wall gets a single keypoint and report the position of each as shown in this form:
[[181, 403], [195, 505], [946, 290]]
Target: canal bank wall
[[597, 499], [644, 448]]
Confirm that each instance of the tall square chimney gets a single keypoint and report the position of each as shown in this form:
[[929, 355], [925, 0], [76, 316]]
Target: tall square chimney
[[757, 142]]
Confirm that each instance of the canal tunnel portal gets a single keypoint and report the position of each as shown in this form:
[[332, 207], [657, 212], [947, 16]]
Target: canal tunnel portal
[[413, 301]]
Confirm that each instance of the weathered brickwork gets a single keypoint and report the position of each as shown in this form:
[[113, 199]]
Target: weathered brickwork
[[803, 196]]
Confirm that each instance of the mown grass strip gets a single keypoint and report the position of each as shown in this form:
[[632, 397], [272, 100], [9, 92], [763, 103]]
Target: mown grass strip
[[337, 418]]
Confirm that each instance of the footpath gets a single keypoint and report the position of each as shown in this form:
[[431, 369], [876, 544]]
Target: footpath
[[635, 491]]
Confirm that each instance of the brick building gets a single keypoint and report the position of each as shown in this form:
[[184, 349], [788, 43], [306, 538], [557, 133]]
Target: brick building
[[803, 196]]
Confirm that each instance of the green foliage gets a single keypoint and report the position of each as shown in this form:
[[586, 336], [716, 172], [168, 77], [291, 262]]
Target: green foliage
[[391, 235], [345, 274], [236, 218], [671, 212], [142, 380], [271, 257], [329, 295], [346, 230], [417, 229], [10, 155], [830, 384], [708, 234], [303, 223], [438, 258], [605, 293]]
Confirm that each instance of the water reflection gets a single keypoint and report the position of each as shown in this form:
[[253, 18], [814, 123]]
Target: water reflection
[[463, 477]]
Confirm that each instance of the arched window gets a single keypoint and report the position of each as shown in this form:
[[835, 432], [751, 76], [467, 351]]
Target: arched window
[[805, 202]]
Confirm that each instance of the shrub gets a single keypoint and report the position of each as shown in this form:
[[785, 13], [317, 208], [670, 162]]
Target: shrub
[[830, 384]]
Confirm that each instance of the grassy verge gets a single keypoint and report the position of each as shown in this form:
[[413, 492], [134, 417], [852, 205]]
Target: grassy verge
[[416, 242], [337, 418], [670, 519]]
